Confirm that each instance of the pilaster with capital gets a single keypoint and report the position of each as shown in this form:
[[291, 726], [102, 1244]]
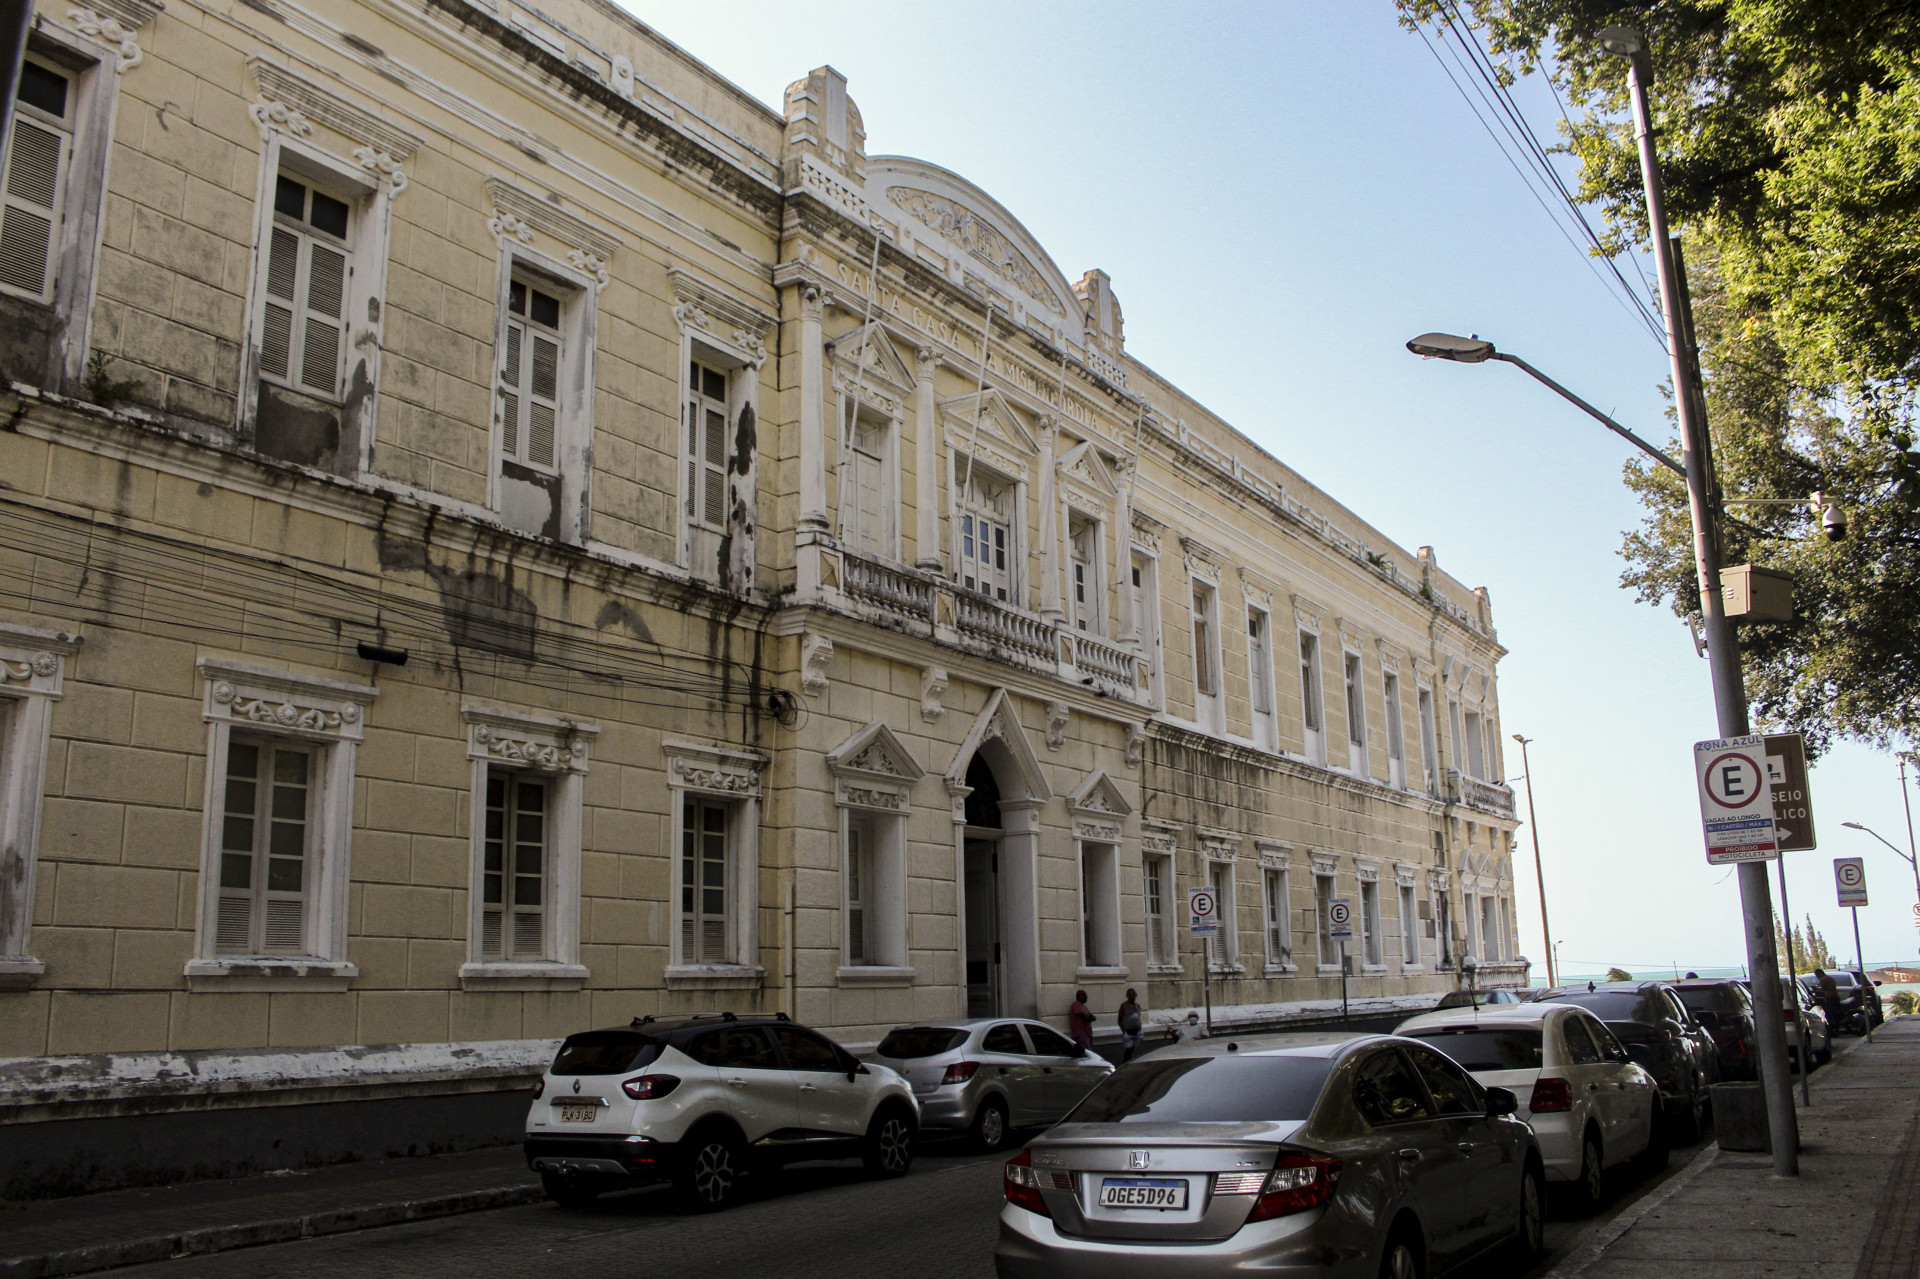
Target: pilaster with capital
[[926, 461], [1049, 527], [813, 440]]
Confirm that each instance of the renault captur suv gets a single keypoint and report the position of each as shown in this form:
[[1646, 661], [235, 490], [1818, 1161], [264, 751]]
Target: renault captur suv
[[703, 1100]]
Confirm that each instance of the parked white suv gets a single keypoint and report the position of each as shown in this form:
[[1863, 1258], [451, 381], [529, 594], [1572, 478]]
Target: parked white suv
[[702, 1100], [1589, 1106]]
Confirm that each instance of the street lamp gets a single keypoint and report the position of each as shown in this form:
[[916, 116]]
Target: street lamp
[[1539, 875], [1723, 646]]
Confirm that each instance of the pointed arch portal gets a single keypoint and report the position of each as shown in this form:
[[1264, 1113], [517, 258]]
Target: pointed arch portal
[[998, 791]]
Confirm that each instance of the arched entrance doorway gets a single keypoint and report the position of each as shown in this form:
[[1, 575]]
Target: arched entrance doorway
[[999, 791], [980, 860]]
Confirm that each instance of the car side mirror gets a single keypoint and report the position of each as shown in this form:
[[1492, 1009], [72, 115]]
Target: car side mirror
[[1501, 1101]]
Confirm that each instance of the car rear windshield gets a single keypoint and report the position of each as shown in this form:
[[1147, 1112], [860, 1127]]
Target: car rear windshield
[[921, 1041], [1482, 1048], [605, 1052], [1205, 1090], [1607, 1005], [1698, 999]]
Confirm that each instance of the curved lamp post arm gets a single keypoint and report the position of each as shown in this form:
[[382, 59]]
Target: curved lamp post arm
[[1619, 430]]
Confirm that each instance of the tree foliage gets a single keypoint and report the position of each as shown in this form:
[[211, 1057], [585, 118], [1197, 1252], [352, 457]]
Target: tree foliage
[[1619, 974], [1789, 137], [1810, 949]]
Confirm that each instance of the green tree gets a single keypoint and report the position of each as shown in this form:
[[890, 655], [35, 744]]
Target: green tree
[[1810, 949], [1789, 133], [1619, 974]]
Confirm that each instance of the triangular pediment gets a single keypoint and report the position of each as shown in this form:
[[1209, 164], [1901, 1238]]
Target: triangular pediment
[[1084, 464], [1098, 794], [998, 726], [874, 751], [870, 343], [990, 415]]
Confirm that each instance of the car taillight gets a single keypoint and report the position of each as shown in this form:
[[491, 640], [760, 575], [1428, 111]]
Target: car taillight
[[959, 1072], [650, 1087], [1297, 1183], [539, 1087], [1791, 1013], [1025, 1182], [1550, 1095]]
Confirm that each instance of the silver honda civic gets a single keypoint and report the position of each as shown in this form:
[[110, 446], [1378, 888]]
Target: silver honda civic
[[1334, 1156]]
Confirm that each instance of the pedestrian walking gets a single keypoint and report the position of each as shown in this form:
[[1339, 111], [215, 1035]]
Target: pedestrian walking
[[1130, 1020], [1829, 996], [1080, 1020]]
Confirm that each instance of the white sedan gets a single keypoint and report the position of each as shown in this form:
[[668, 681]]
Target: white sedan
[[1590, 1107]]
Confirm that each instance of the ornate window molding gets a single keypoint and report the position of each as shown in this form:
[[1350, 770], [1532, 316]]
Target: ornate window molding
[[738, 327], [281, 705], [698, 770], [116, 24], [1306, 615], [1366, 870], [1272, 855], [555, 749], [1406, 876], [872, 769], [873, 776], [288, 103], [1219, 845], [1158, 838], [1098, 809], [1323, 862], [518, 215], [32, 671]]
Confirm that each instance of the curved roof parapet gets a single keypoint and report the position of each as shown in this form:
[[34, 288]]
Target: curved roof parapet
[[973, 235]]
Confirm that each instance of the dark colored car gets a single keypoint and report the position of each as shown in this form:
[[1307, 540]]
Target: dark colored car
[[1859, 1002], [1725, 1009], [1660, 1034], [1868, 984]]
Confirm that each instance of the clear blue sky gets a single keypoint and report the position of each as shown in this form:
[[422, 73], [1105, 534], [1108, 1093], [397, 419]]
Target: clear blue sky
[[1283, 194]]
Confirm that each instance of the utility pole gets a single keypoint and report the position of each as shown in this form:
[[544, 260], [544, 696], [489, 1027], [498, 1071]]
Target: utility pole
[[1913, 855], [1723, 646], [1539, 876]]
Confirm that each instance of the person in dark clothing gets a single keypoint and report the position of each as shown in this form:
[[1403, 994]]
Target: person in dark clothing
[[1080, 1020], [1130, 1023]]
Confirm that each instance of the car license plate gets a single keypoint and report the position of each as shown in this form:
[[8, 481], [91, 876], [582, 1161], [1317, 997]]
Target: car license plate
[[578, 1112], [1143, 1192]]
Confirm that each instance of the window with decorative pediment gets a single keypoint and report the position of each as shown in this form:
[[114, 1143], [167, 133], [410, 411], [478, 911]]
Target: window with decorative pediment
[[523, 913], [1207, 694], [1312, 707], [1274, 903], [1429, 742], [278, 828], [873, 777], [1396, 730], [716, 796], [1086, 587], [870, 507]]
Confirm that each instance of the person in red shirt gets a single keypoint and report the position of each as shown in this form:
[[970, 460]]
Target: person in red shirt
[[1080, 1020]]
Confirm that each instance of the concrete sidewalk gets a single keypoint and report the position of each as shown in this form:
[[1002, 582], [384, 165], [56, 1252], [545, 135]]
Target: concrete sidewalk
[[1853, 1213], [127, 1227]]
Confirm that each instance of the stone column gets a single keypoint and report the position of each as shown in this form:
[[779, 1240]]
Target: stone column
[[813, 443], [1049, 528], [1123, 475], [927, 460]]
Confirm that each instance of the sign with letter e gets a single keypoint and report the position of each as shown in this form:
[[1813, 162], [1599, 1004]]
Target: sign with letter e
[[1736, 801], [1850, 878], [1340, 918], [1203, 912]]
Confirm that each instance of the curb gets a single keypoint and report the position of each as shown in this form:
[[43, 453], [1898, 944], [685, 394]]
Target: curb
[[210, 1239], [1610, 1234]]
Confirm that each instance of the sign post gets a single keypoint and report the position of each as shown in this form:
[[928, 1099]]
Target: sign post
[[1203, 921], [1340, 928], [1850, 881]]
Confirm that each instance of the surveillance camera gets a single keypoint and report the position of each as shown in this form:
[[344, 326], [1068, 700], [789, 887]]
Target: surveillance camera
[[1833, 523]]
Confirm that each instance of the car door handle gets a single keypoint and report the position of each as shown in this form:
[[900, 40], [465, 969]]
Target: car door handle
[[1467, 1147], [808, 1088], [738, 1083], [1408, 1154]]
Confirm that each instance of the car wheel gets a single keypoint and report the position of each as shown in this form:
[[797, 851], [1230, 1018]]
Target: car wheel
[[709, 1175], [1401, 1260], [1591, 1185], [1824, 1056], [1530, 1239], [1686, 1119], [990, 1128], [888, 1149], [569, 1190]]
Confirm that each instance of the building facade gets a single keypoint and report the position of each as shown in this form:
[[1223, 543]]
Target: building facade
[[504, 533]]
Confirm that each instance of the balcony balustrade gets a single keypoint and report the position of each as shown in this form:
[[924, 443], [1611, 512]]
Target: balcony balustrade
[[1488, 797]]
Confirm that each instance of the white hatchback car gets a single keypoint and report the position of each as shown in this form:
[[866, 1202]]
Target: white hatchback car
[[699, 1099], [1590, 1107]]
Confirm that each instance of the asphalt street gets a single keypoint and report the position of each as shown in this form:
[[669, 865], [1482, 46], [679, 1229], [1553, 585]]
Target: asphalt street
[[827, 1220]]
